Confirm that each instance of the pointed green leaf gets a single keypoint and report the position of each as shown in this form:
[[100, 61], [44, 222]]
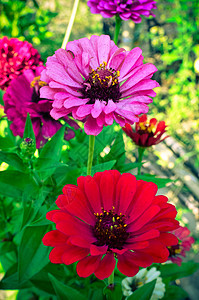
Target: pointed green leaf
[[50, 154], [143, 293], [15, 184], [176, 293], [33, 255], [10, 280], [173, 271], [65, 292], [28, 131], [13, 160], [161, 182]]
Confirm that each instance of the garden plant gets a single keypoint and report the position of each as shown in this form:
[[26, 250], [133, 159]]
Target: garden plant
[[79, 220]]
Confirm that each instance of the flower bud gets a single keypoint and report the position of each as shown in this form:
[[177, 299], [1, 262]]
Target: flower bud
[[27, 147]]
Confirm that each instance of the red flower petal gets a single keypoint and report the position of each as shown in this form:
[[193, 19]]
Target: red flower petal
[[168, 239], [93, 194], [145, 218], [107, 190], [106, 267], [55, 255], [73, 254], [143, 198], [126, 188], [88, 265], [98, 250], [54, 238], [126, 266]]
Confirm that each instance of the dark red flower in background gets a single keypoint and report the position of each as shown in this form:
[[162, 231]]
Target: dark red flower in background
[[146, 133], [111, 216], [22, 97], [15, 57], [184, 244]]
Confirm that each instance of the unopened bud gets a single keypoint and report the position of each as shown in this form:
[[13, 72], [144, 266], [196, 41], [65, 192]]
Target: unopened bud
[[27, 147]]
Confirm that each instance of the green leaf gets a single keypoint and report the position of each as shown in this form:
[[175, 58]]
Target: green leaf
[[100, 168], [41, 279], [129, 166], [6, 143], [10, 280], [28, 131], [117, 150], [173, 271], [161, 182], [65, 292], [175, 293], [12, 159], [50, 154], [15, 184], [143, 293], [33, 255]]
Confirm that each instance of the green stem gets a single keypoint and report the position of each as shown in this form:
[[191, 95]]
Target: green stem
[[140, 156], [118, 22], [111, 279], [90, 153], [70, 24]]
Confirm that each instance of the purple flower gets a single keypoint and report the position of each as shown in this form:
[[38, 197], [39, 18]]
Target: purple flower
[[126, 9], [98, 82], [15, 57], [22, 97]]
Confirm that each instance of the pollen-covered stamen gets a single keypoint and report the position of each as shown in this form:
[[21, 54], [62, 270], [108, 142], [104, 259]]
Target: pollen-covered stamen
[[36, 84], [174, 250], [146, 128], [102, 84], [110, 229]]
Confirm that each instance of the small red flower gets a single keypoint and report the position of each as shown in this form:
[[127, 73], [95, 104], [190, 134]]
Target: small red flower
[[184, 244], [111, 216], [15, 57], [146, 133]]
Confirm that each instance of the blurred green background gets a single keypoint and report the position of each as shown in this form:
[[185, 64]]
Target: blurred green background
[[170, 41]]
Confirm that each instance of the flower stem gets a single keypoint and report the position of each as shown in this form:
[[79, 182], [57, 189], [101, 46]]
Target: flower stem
[[118, 22], [140, 156], [70, 24], [111, 279], [90, 153]]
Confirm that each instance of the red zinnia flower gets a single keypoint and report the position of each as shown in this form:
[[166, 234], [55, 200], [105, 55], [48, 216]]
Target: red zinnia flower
[[184, 244], [15, 57], [111, 216], [146, 133]]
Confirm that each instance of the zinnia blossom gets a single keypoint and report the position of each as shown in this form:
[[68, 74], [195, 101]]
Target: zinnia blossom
[[146, 133], [111, 216], [184, 244], [98, 82], [15, 57], [22, 97], [131, 284], [126, 9]]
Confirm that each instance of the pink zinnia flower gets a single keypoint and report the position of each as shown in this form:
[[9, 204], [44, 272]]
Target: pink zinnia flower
[[126, 9], [111, 216], [146, 133], [98, 82], [184, 244], [22, 97], [15, 57]]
